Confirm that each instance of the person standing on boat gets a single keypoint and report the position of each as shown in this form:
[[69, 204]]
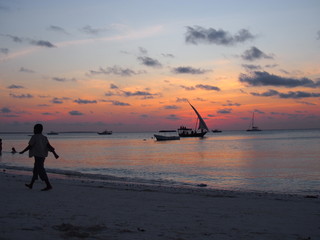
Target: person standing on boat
[[38, 148]]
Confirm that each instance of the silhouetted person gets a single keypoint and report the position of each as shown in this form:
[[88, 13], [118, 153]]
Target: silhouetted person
[[38, 148], [0, 146], [13, 150]]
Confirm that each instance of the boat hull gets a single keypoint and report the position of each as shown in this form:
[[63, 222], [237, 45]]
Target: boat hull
[[254, 130], [105, 133], [166, 138], [216, 131], [192, 134]]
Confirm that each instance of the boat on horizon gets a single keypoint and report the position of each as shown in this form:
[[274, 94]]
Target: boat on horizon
[[199, 131], [216, 131], [165, 137], [52, 133], [105, 132], [252, 127]]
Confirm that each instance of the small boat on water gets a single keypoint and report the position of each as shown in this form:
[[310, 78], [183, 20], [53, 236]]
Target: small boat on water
[[105, 132], [165, 137], [216, 131], [252, 127], [199, 131], [52, 133]]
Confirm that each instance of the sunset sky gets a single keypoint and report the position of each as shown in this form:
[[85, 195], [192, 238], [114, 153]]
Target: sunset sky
[[131, 65]]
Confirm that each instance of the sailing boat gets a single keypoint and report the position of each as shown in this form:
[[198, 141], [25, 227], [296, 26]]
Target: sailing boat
[[252, 127], [199, 131]]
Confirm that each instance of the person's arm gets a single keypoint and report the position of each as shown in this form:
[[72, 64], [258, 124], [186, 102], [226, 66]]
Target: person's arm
[[51, 149], [26, 149]]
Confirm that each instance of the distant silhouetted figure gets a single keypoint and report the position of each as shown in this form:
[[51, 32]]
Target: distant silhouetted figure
[[38, 148], [13, 150], [0, 146]]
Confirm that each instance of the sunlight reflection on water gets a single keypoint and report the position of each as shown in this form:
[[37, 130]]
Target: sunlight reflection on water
[[285, 161]]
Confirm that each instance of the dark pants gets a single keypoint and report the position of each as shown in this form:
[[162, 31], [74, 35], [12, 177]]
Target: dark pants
[[38, 169]]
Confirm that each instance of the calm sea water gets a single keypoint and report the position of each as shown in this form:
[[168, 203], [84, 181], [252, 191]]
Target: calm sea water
[[285, 161]]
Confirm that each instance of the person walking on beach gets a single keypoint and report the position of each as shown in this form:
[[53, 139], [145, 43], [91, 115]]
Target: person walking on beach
[[38, 148]]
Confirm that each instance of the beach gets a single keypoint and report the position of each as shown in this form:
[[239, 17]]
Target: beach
[[84, 208]]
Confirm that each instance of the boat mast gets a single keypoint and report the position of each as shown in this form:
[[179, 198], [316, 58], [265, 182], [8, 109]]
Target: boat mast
[[253, 119]]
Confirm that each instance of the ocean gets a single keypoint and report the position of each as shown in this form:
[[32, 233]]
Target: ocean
[[278, 161]]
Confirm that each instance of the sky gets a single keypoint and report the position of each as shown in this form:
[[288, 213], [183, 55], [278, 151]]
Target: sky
[[133, 65]]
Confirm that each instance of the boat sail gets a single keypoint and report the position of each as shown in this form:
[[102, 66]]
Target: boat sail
[[200, 131], [252, 127]]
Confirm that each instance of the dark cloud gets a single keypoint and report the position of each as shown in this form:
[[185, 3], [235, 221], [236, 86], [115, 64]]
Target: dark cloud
[[225, 111], [5, 110], [59, 100], [21, 96], [117, 103], [116, 70], [251, 67], [75, 113], [139, 94], [182, 100], [197, 34], [42, 43], [266, 79], [170, 107], [15, 38], [200, 99], [59, 79], [143, 50], [269, 93], [57, 29], [167, 55], [271, 65], [172, 117], [13, 86], [113, 86], [258, 111], [47, 114], [150, 62], [188, 88], [92, 31], [22, 69], [4, 51], [291, 94], [145, 94], [189, 70], [254, 53], [109, 94], [201, 86], [298, 94], [84, 101], [229, 104], [207, 87]]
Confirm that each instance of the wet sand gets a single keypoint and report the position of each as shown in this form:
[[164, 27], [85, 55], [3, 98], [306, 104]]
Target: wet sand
[[90, 209]]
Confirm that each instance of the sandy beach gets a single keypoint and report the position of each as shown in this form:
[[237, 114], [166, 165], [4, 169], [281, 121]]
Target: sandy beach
[[90, 209]]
